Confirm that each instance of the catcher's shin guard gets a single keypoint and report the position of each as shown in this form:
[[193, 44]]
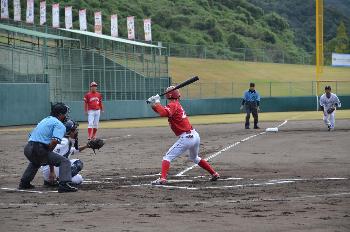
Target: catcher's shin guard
[[76, 167]]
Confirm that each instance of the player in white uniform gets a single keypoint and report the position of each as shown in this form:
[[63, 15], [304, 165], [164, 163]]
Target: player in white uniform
[[329, 102], [67, 147]]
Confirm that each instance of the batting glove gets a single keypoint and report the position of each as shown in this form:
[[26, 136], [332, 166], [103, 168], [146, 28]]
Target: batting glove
[[154, 99]]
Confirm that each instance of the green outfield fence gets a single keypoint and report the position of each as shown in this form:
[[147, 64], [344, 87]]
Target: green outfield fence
[[266, 89]]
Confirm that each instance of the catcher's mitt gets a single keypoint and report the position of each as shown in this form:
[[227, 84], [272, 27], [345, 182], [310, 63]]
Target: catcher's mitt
[[330, 110], [95, 144]]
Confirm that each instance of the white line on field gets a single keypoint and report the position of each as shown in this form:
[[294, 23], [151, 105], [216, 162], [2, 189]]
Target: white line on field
[[227, 148]]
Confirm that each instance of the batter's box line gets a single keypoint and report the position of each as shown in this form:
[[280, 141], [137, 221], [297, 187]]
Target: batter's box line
[[228, 148]]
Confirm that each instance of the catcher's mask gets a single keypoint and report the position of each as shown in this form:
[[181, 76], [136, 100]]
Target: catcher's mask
[[175, 94], [70, 126]]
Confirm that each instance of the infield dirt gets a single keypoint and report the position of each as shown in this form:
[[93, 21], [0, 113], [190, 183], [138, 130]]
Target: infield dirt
[[293, 180]]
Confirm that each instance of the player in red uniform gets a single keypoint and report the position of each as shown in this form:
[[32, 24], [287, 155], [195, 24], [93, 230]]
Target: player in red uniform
[[188, 137], [93, 107]]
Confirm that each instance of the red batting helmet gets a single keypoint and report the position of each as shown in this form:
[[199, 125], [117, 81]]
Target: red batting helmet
[[92, 84], [175, 94]]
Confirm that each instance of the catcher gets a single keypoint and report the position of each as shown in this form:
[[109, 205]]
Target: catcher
[[329, 102], [188, 137], [67, 147]]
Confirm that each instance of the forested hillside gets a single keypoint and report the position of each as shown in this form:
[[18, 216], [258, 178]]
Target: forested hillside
[[220, 25]]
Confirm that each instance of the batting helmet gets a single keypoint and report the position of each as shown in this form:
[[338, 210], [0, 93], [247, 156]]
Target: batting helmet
[[175, 94], [59, 108], [92, 84], [70, 126]]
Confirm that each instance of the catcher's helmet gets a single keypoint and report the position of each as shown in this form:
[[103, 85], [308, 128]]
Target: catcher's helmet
[[175, 94], [93, 84], [59, 108], [70, 126]]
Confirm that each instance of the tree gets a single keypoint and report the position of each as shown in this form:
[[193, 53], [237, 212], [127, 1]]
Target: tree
[[341, 42]]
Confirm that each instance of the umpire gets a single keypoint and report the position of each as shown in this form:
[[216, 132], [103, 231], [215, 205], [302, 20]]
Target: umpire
[[43, 139], [251, 101]]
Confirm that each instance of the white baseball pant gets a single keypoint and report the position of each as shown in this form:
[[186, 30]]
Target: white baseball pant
[[93, 118], [329, 119], [185, 142], [77, 179]]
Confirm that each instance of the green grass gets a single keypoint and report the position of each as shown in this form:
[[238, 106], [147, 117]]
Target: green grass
[[222, 78], [202, 120]]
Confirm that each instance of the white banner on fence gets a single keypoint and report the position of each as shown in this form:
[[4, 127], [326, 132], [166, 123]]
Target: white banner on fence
[[148, 29], [4, 9], [340, 59], [56, 15], [16, 10], [42, 13], [30, 11], [98, 22], [131, 27], [82, 20], [68, 17], [114, 25]]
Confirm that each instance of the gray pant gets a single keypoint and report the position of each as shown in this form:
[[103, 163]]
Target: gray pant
[[38, 154], [251, 108]]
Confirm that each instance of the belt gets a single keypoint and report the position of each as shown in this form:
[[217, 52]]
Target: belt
[[40, 143]]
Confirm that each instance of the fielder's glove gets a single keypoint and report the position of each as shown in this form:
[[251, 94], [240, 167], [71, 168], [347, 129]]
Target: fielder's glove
[[330, 110], [154, 99], [95, 144]]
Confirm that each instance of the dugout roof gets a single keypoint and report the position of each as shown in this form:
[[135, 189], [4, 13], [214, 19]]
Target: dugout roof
[[33, 33], [131, 42]]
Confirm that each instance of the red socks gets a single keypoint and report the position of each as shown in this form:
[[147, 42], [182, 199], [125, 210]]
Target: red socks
[[165, 169], [89, 133], [94, 130], [205, 165]]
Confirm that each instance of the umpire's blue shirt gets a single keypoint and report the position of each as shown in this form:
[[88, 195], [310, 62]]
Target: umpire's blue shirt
[[251, 96], [47, 129]]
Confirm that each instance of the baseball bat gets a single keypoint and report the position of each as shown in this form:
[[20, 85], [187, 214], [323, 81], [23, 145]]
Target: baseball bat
[[181, 85]]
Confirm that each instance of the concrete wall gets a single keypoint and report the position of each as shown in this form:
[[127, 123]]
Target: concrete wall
[[23, 103]]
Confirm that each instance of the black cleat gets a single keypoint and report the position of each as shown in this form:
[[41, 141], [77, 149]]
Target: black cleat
[[256, 127], [329, 128], [215, 177], [65, 187], [23, 185]]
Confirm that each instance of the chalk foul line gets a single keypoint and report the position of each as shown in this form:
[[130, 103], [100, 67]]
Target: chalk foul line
[[227, 148]]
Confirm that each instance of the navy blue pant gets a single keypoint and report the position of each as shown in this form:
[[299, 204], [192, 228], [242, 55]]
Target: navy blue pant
[[251, 108]]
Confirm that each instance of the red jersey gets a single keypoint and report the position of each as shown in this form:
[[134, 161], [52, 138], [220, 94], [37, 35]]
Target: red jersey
[[177, 118], [93, 100]]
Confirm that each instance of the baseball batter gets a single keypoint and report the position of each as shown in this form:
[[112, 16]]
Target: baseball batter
[[67, 147], [93, 107], [188, 137], [329, 102]]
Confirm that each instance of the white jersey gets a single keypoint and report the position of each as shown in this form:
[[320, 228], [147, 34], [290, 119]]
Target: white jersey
[[65, 148], [329, 102]]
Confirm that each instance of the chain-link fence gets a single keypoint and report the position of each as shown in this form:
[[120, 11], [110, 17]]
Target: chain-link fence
[[124, 71], [266, 89], [243, 54]]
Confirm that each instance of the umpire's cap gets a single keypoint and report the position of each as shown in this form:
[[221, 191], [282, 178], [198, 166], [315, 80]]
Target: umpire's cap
[[59, 108], [328, 87]]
